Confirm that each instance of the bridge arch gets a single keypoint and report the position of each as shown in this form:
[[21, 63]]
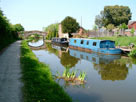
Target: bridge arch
[[28, 33]]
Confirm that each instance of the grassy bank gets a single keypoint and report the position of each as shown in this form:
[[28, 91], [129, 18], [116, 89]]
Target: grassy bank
[[122, 41], [39, 85]]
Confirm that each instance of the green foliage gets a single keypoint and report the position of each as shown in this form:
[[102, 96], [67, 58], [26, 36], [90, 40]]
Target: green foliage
[[71, 75], [132, 31], [110, 27], [133, 53], [98, 21], [18, 27], [123, 26], [34, 37], [52, 31], [95, 28], [7, 33], [69, 25], [115, 15], [122, 41], [82, 76], [39, 85]]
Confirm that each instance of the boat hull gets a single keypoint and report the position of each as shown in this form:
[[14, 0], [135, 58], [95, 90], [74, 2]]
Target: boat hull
[[110, 51], [60, 44]]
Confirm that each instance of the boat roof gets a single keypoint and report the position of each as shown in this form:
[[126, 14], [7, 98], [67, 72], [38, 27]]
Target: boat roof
[[91, 39]]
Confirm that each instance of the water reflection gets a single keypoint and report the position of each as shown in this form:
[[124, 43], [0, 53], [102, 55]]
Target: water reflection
[[62, 52], [109, 78], [36, 43], [94, 57]]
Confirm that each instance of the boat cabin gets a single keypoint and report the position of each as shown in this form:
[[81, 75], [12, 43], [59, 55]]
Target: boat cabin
[[101, 46], [59, 39], [92, 43]]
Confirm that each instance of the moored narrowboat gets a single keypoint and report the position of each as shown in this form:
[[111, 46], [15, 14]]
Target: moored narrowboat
[[94, 45], [60, 41]]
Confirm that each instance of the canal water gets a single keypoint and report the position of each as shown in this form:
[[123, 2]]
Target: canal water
[[108, 78]]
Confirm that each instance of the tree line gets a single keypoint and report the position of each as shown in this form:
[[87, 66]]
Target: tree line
[[69, 25], [113, 16], [8, 31]]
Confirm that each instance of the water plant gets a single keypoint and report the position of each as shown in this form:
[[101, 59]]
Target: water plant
[[82, 76], [68, 75], [73, 74], [71, 78]]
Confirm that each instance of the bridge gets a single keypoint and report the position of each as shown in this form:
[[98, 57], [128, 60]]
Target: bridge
[[28, 33]]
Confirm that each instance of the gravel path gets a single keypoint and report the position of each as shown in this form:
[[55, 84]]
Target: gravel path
[[10, 74]]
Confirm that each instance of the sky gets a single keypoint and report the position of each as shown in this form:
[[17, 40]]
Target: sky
[[36, 14]]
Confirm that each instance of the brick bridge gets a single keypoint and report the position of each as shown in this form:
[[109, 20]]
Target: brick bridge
[[28, 33]]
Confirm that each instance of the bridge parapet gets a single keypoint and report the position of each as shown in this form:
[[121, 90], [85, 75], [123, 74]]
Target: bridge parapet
[[28, 33]]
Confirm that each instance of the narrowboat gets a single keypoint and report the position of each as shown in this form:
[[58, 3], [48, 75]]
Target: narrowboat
[[94, 45], [60, 41]]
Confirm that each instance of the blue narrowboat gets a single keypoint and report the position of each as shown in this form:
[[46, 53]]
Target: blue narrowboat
[[94, 45]]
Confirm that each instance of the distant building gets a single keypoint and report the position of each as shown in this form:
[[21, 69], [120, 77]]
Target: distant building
[[61, 34], [132, 24]]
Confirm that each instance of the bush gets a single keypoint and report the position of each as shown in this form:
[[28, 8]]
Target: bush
[[133, 53]]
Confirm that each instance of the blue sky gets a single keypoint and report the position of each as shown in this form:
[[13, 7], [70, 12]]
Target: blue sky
[[36, 14]]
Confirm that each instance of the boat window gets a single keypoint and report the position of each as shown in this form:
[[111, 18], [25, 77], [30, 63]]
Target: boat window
[[74, 41], [87, 43], [94, 43], [82, 41]]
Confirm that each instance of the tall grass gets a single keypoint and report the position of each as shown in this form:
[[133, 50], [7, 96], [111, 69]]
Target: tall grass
[[39, 85]]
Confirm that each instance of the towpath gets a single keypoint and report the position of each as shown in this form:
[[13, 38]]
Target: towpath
[[10, 74]]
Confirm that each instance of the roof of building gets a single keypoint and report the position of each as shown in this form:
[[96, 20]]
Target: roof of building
[[131, 22]]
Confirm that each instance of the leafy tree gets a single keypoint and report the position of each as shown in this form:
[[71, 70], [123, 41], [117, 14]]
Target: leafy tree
[[95, 28], [115, 15], [123, 26], [110, 27], [18, 27], [52, 31], [7, 33], [69, 25], [98, 21]]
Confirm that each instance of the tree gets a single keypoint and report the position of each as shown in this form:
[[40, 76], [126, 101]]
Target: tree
[[98, 21], [52, 31], [123, 26], [115, 15], [7, 33], [18, 27], [69, 25], [110, 27]]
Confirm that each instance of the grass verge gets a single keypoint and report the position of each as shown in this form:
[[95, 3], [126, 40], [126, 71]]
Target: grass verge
[[122, 41], [39, 85]]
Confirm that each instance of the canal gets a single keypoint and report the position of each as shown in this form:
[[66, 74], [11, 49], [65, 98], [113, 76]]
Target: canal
[[108, 78]]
